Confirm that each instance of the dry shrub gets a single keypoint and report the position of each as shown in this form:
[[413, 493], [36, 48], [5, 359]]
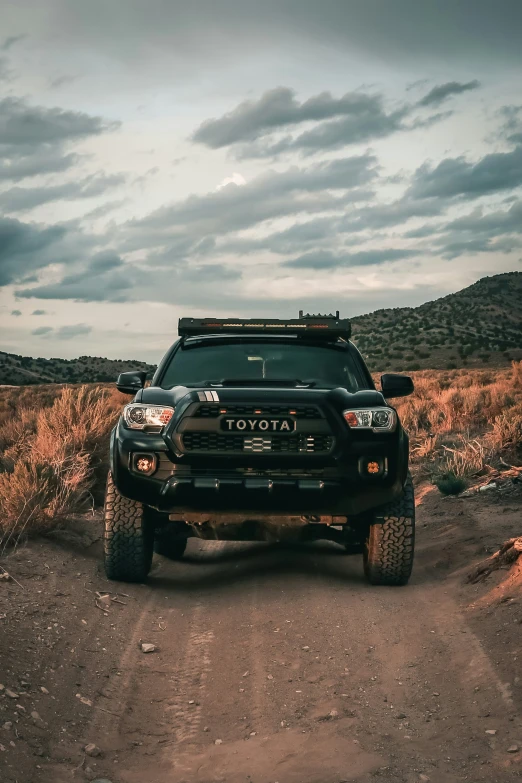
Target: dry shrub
[[462, 421], [464, 458], [517, 375], [17, 427], [51, 458], [506, 432]]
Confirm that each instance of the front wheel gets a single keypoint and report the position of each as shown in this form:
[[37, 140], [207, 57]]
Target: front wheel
[[128, 537], [389, 547]]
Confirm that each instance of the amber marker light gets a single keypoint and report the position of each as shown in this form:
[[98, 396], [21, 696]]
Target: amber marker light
[[292, 413], [166, 415], [351, 418], [222, 410]]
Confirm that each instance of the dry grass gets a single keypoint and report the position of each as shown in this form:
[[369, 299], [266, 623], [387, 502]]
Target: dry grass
[[54, 439], [462, 422], [53, 445]]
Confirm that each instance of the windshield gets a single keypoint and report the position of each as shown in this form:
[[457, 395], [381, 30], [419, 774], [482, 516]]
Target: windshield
[[324, 366]]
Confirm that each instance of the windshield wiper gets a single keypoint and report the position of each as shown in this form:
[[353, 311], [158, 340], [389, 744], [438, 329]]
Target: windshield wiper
[[261, 382]]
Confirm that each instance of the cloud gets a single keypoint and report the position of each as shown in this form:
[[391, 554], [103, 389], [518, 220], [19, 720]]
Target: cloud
[[74, 330], [354, 118], [471, 246], [41, 331], [34, 139], [39, 312], [34, 127], [511, 128], [10, 41], [479, 231], [268, 196], [5, 71], [100, 279], [370, 218], [68, 332], [327, 260], [20, 199], [107, 278], [490, 223], [202, 34], [371, 124], [442, 92], [31, 165], [25, 247], [276, 109], [16, 313], [235, 179], [60, 81], [454, 177], [105, 261]]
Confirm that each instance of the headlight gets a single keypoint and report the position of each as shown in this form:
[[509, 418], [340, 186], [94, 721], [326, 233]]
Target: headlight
[[139, 416], [376, 419]]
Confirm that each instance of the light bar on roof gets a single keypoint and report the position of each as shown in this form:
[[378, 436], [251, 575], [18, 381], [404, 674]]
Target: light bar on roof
[[325, 327]]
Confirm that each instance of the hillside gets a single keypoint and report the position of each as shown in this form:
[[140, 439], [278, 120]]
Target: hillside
[[23, 370], [476, 327]]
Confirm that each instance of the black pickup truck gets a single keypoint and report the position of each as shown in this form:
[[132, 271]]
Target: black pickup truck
[[260, 430]]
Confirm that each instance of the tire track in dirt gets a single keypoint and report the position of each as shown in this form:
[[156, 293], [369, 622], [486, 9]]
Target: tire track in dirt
[[302, 673], [190, 680], [119, 689]]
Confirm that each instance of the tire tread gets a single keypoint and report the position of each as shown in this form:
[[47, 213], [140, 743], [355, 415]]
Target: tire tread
[[128, 537], [389, 548]]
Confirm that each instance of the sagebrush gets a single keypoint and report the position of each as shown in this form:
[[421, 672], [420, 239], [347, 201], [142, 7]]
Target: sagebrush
[[53, 446], [461, 422]]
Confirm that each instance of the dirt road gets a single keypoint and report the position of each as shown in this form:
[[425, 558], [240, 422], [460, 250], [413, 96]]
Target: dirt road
[[273, 664]]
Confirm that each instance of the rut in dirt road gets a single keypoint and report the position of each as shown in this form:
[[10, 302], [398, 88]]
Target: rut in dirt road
[[281, 664]]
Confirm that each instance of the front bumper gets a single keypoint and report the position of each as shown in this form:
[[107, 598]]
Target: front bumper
[[264, 486]]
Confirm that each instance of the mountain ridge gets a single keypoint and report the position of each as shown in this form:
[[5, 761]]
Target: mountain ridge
[[478, 326]]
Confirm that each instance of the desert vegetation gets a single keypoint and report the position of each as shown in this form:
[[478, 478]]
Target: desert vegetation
[[463, 425], [20, 370], [477, 327], [53, 454]]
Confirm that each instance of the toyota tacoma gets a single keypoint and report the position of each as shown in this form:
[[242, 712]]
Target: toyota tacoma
[[260, 430]]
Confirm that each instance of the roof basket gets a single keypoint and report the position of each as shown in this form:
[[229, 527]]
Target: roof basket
[[320, 327]]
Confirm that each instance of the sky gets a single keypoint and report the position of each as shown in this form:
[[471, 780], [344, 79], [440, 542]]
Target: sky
[[235, 158]]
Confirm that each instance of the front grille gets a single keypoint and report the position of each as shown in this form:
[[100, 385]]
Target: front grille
[[299, 411], [273, 444]]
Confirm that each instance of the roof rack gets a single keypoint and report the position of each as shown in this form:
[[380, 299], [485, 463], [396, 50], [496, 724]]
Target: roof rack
[[321, 327], [318, 315]]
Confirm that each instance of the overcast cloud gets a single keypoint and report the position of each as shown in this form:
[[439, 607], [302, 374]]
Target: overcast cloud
[[238, 158], [442, 92]]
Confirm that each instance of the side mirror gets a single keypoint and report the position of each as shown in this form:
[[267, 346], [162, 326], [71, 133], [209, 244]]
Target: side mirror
[[393, 385], [131, 382]]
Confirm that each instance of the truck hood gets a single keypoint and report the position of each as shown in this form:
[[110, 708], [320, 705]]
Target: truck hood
[[339, 398]]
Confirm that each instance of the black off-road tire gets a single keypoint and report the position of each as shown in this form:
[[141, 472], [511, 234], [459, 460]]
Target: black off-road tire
[[169, 545], [389, 547], [128, 539]]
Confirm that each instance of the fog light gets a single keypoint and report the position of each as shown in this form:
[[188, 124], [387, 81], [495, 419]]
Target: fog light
[[373, 467], [144, 463]]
